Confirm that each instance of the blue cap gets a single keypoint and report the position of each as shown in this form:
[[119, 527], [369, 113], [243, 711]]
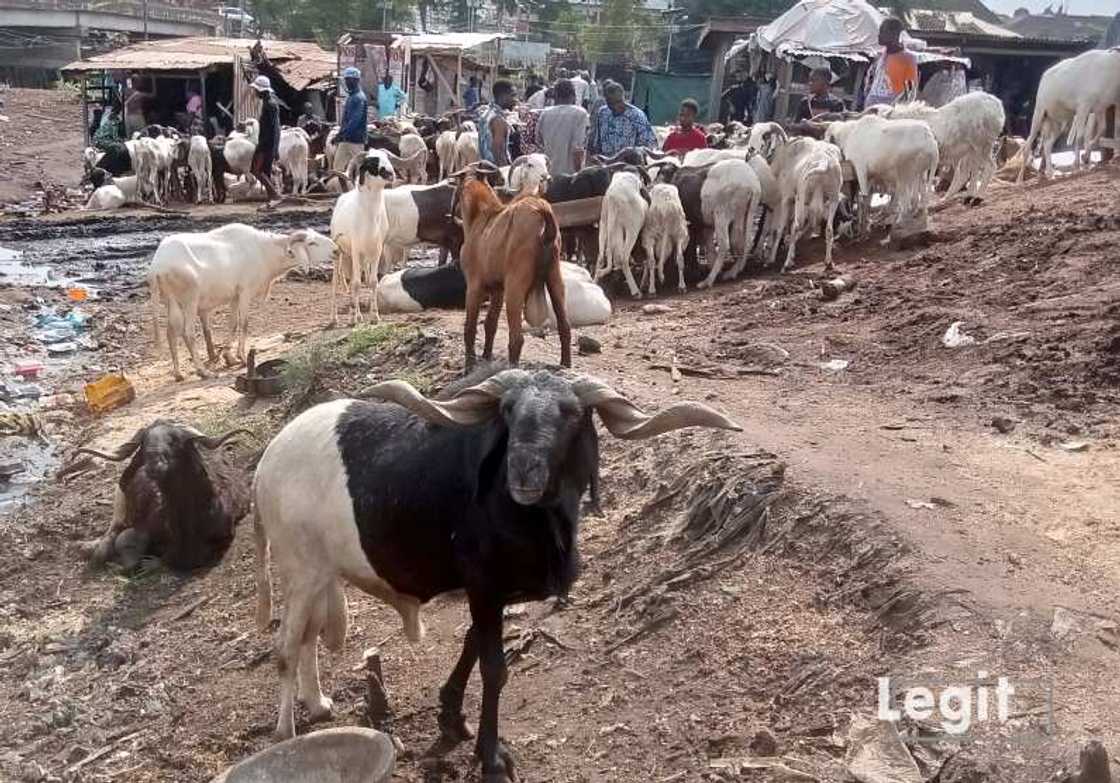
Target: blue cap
[[351, 73]]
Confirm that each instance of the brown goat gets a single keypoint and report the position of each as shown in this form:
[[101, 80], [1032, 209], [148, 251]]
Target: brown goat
[[510, 251], [179, 499]]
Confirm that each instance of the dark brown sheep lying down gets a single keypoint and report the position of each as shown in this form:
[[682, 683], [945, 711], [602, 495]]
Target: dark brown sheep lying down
[[179, 499]]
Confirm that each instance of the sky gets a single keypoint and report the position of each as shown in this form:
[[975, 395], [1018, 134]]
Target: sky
[[1101, 7]]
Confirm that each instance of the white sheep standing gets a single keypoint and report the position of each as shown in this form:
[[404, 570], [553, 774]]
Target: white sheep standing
[[528, 173], [200, 164], [898, 157], [466, 146], [359, 226], [1075, 94], [445, 151], [413, 165], [967, 129], [233, 265], [622, 216], [294, 157], [664, 234], [810, 180]]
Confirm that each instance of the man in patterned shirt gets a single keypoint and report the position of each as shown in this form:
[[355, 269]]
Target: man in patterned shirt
[[619, 124]]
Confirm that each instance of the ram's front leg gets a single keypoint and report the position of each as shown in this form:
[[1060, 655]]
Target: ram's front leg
[[497, 763], [453, 728]]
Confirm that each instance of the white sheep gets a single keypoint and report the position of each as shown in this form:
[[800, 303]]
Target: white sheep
[[114, 194], [528, 173], [622, 216], [898, 157], [200, 164], [293, 157], [232, 265], [359, 226], [413, 164], [810, 181], [466, 147], [142, 152], [1075, 94], [664, 234], [967, 129], [445, 151]]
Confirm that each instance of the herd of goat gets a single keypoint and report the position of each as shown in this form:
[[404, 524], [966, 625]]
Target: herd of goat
[[505, 455]]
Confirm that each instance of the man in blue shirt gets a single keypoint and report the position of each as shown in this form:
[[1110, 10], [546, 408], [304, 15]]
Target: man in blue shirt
[[619, 124], [471, 96], [389, 98], [351, 139]]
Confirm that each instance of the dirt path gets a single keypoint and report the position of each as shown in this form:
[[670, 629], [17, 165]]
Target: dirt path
[[41, 143], [1009, 539]]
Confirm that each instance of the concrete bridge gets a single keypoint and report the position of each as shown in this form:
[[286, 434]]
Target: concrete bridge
[[120, 16], [41, 36]]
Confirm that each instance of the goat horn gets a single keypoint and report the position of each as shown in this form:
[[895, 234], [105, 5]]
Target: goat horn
[[123, 451], [473, 405], [625, 420], [219, 440]]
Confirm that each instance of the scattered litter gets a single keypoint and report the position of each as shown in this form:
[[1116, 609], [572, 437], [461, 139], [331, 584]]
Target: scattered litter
[[109, 392], [831, 289], [77, 294], [656, 309], [1003, 425], [62, 349], [920, 504], [877, 755], [1074, 445], [955, 337], [28, 369], [20, 391], [834, 365]]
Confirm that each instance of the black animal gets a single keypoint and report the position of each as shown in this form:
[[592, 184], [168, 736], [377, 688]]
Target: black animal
[[376, 140], [178, 499], [218, 168], [477, 490], [116, 160]]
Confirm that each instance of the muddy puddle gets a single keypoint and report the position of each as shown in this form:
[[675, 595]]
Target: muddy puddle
[[96, 261]]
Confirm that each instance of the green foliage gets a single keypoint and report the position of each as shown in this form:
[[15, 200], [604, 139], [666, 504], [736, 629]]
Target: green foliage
[[368, 336], [325, 20]]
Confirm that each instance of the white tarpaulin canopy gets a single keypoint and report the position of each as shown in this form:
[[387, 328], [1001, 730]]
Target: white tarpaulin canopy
[[835, 26]]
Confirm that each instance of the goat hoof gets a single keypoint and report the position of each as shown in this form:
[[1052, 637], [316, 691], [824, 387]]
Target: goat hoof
[[318, 709]]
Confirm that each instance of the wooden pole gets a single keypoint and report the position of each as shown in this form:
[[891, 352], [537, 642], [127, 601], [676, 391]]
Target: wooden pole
[[458, 81], [781, 100], [202, 94], [85, 110], [718, 70]]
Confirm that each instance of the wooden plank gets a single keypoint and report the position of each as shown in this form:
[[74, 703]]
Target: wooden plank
[[581, 212]]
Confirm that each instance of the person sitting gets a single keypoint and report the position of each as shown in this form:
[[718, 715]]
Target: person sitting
[[687, 135], [819, 100]]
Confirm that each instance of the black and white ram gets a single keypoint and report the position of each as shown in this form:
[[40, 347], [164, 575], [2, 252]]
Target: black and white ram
[[506, 458]]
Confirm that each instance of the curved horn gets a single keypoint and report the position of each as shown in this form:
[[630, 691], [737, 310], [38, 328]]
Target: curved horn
[[657, 154], [124, 451], [343, 180], [219, 440], [625, 420], [473, 405]]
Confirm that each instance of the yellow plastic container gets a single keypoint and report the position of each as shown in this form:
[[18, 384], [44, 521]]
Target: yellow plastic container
[[77, 294], [109, 392]]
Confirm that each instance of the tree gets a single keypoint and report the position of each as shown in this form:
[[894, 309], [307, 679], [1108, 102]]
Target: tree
[[702, 9]]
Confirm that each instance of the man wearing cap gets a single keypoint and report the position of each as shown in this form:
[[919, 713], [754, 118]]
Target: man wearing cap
[[351, 139], [268, 140]]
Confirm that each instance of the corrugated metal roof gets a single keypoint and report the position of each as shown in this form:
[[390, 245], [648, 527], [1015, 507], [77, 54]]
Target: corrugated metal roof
[[922, 20], [1064, 27], [307, 62], [447, 43]]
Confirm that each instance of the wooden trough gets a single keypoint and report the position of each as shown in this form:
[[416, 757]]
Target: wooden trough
[[580, 212]]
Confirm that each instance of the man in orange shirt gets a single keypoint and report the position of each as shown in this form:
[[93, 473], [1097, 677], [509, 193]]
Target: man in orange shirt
[[895, 72]]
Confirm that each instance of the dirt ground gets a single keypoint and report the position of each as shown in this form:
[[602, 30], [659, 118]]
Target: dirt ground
[[41, 143], [927, 513]]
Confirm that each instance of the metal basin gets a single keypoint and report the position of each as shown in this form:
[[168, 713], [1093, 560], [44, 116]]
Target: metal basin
[[344, 755]]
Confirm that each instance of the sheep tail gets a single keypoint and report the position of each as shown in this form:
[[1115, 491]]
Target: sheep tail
[[153, 287], [264, 580], [536, 305]]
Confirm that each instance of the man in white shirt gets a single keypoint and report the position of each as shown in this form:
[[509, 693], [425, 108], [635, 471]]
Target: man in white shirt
[[562, 131], [581, 87]]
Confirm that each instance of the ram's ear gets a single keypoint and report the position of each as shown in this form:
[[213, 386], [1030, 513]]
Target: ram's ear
[[492, 463]]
